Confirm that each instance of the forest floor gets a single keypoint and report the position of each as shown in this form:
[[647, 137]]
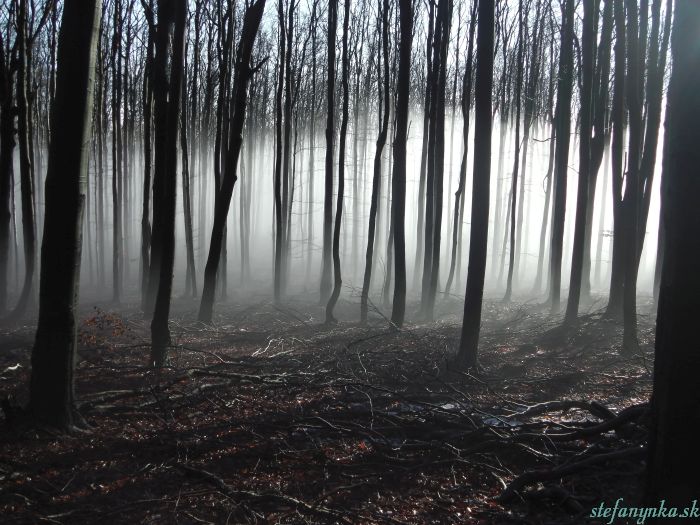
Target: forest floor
[[270, 416]]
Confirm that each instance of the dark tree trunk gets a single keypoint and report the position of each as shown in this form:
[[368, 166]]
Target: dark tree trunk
[[7, 146], [673, 460], [436, 160], [280, 199], [516, 156], [117, 245], [398, 187], [563, 126], [170, 44], [588, 65], [384, 100], [53, 357], [242, 75], [459, 194], [337, 278], [191, 276], [600, 138], [25, 161], [469, 342], [614, 308], [631, 199], [330, 134], [420, 230], [147, 156]]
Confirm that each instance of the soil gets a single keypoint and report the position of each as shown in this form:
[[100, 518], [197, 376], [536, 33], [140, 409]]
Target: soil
[[270, 416]]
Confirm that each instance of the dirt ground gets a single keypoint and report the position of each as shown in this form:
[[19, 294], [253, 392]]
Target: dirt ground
[[272, 417]]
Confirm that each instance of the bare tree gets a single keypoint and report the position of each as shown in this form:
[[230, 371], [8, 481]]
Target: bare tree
[[398, 187], [53, 357], [471, 323], [337, 278], [168, 75], [243, 72]]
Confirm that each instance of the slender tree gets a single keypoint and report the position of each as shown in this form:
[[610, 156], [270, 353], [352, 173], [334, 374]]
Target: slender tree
[[330, 139], [170, 44], [561, 152], [243, 72], [383, 116], [337, 278], [586, 128], [471, 323], [398, 186]]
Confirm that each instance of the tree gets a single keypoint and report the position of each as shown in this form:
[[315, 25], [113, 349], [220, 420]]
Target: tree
[[337, 278], [383, 116], [673, 462], [26, 154], [147, 101], [330, 135], [398, 186], [582, 197], [471, 322], [460, 193], [617, 117], [53, 355], [243, 72], [7, 146], [516, 157], [562, 118], [170, 48], [435, 159]]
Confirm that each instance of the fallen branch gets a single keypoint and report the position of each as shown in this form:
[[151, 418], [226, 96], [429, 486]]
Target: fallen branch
[[536, 476]]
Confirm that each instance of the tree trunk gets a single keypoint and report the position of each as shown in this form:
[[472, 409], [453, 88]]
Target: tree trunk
[[588, 65], [54, 354], [471, 323], [337, 278], [330, 134], [459, 194], [25, 162], [382, 64], [561, 154], [7, 146], [673, 462], [398, 187], [516, 157], [242, 75], [170, 43]]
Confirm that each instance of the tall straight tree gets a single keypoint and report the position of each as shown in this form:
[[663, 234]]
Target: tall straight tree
[[147, 102], [330, 140], [383, 115], [590, 17], [460, 193], [168, 74], [53, 357], [601, 138], [7, 146], [617, 117], [483, 119], [398, 185], [26, 166], [673, 460], [631, 200], [337, 278], [280, 201], [243, 72], [516, 158], [435, 159], [562, 118]]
